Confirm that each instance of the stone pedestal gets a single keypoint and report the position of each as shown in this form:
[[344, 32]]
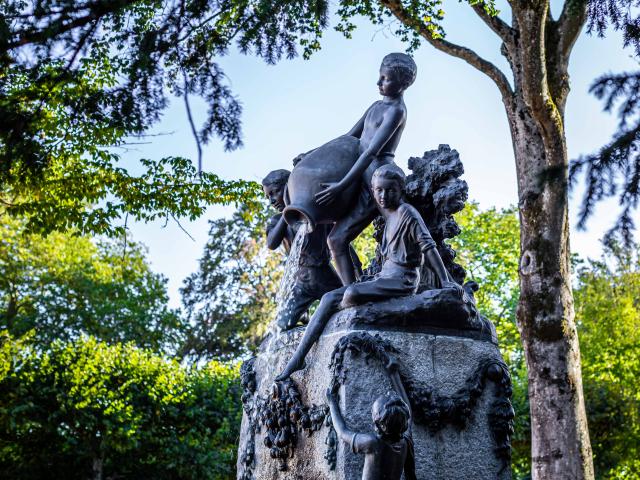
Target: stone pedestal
[[455, 378]]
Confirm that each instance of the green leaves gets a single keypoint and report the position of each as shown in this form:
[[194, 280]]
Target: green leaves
[[608, 314], [488, 248], [418, 15], [97, 197], [134, 413], [64, 285], [80, 78], [230, 300]]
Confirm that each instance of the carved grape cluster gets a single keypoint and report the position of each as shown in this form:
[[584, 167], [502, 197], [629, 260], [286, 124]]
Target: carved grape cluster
[[283, 415]]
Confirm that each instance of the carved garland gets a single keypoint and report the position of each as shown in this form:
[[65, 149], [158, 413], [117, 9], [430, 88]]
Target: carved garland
[[281, 413], [431, 409]]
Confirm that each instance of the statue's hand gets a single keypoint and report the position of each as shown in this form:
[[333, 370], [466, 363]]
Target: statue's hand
[[329, 194], [456, 286]]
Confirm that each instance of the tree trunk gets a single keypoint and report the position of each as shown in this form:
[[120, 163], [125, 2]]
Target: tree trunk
[[560, 446], [98, 463], [538, 48]]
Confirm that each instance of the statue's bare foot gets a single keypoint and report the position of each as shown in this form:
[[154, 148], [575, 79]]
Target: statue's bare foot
[[289, 369]]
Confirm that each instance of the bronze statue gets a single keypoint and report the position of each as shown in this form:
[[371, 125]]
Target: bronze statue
[[389, 450], [378, 133], [315, 275], [406, 242]]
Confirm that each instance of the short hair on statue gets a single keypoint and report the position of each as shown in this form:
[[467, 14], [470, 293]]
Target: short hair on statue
[[278, 178], [391, 417], [403, 65], [391, 172]]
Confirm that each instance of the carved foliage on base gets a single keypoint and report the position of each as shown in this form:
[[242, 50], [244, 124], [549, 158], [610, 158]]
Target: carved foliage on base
[[248, 382], [436, 411], [281, 413], [431, 409], [331, 455]]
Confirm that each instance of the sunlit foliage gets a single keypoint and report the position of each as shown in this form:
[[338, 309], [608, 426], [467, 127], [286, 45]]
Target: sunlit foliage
[[88, 410], [64, 285]]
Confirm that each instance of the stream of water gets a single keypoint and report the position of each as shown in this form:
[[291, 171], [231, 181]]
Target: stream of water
[[290, 271]]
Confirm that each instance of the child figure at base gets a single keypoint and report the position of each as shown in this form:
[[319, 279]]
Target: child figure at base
[[405, 243], [389, 450]]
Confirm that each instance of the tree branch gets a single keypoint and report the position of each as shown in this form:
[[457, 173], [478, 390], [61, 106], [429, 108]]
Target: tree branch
[[464, 53], [499, 26], [570, 23]]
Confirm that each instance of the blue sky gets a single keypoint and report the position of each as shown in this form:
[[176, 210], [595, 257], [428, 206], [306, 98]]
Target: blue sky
[[297, 105]]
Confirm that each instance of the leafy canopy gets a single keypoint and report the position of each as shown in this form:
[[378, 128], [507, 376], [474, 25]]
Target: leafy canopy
[[88, 410], [78, 78], [64, 285], [608, 313]]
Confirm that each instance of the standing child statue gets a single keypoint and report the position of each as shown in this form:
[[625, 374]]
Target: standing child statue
[[389, 449], [405, 243], [314, 276], [379, 131]]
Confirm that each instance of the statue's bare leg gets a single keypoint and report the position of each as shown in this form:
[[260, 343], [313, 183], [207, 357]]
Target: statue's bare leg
[[328, 306], [343, 233]]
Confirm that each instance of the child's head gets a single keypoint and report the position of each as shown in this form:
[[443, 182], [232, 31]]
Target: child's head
[[390, 416], [399, 71], [273, 187], [388, 184]]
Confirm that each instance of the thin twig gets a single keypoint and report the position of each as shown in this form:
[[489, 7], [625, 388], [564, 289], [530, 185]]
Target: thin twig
[[191, 122], [181, 227], [124, 246]]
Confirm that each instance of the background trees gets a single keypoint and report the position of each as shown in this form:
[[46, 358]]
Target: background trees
[[172, 416], [230, 300], [84, 409], [63, 286], [80, 78], [608, 314]]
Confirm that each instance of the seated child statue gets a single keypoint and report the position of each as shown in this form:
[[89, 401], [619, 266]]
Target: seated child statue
[[389, 450], [405, 242], [315, 275]]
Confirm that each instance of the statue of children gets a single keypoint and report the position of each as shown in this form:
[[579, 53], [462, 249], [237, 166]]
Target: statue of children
[[406, 242], [389, 450], [315, 275], [379, 131]]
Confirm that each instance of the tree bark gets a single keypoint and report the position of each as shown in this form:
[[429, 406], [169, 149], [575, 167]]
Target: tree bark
[[97, 465], [560, 447], [538, 48]]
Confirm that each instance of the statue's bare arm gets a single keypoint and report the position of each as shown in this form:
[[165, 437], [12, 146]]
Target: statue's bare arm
[[392, 119], [276, 234], [360, 442], [393, 372]]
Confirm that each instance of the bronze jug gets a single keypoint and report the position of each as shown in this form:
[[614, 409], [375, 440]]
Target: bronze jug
[[326, 164]]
